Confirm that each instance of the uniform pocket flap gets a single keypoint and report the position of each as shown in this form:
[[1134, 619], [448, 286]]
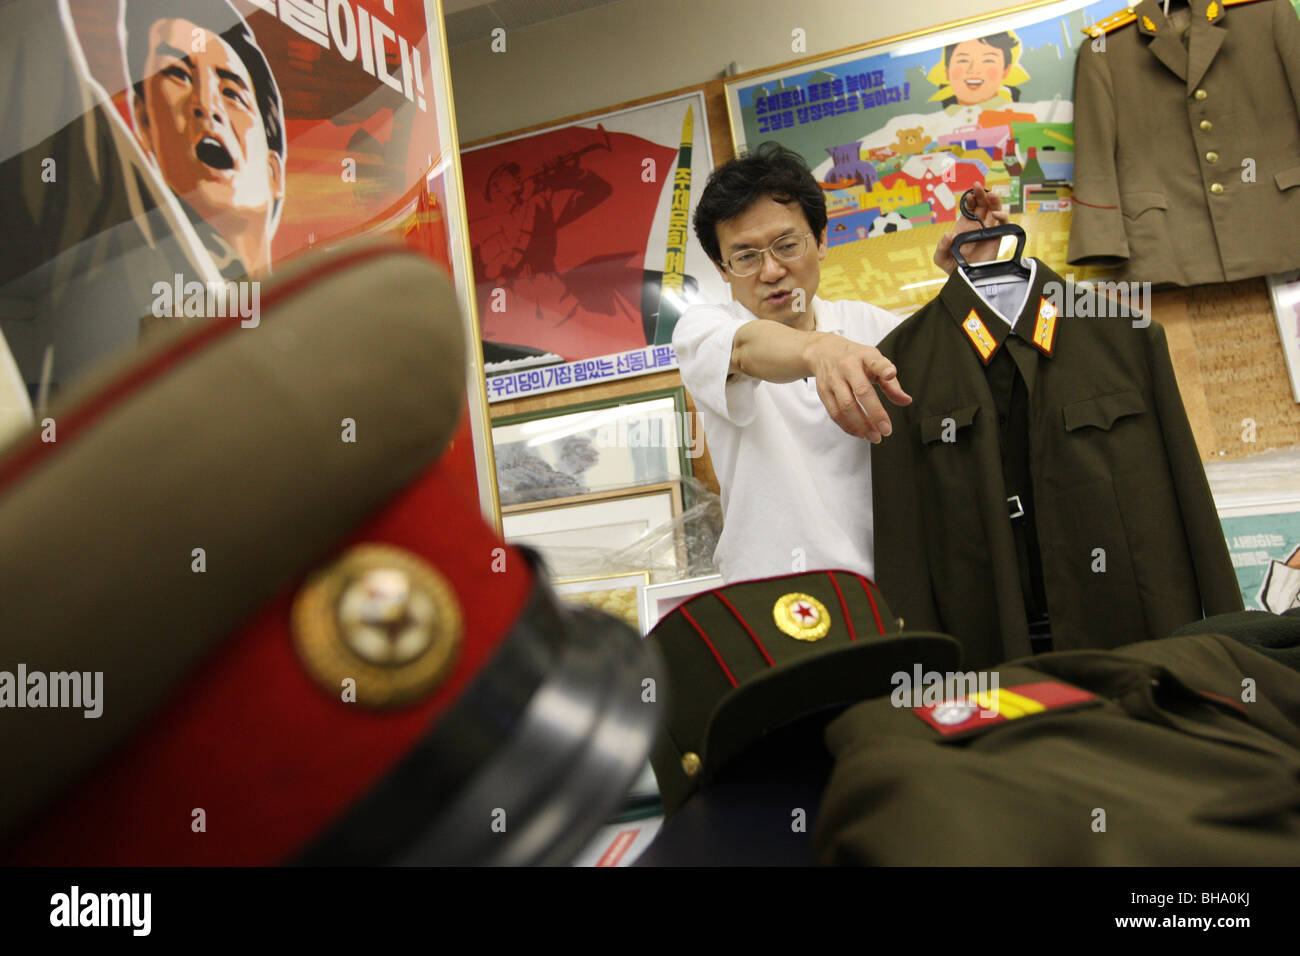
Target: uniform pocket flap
[[1287, 178], [1134, 204], [933, 427], [1102, 411]]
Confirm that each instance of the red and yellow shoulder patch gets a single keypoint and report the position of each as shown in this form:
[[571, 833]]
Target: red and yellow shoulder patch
[[996, 706]]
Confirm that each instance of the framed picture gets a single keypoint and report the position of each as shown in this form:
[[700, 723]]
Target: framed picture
[[616, 594], [896, 130], [594, 446], [580, 240], [1284, 290], [572, 532], [658, 599], [1264, 543]]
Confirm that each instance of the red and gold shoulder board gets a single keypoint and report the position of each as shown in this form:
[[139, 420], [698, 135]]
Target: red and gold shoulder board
[[1113, 22], [994, 706], [1123, 18]]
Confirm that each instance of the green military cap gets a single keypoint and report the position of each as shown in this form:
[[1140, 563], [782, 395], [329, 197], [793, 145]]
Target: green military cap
[[748, 658]]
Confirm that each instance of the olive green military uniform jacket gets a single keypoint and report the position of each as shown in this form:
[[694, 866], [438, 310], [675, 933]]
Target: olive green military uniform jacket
[[1187, 148], [1130, 541], [1184, 751]]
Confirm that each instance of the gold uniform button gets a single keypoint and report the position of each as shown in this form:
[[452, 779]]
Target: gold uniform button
[[1206, 125], [1211, 157], [1200, 94], [690, 764], [1216, 188]]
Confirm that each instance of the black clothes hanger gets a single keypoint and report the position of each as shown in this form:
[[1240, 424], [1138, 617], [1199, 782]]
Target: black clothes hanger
[[985, 270]]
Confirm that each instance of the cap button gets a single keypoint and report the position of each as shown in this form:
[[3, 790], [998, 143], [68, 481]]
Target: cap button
[[690, 764]]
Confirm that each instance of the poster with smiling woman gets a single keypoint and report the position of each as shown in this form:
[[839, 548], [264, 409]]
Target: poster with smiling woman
[[896, 130], [160, 159]]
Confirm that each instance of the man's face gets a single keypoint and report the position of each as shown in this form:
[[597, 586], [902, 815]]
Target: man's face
[[201, 123], [770, 292], [976, 71]]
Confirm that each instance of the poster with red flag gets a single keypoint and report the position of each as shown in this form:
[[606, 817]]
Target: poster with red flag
[[166, 156], [581, 244]]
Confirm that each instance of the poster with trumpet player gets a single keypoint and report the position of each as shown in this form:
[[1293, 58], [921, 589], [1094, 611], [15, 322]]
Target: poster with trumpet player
[[580, 238]]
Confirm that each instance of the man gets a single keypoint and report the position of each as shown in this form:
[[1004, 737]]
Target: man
[[783, 380], [208, 115]]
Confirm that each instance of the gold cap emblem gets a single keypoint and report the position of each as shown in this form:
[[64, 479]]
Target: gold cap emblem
[[690, 764], [801, 616], [383, 617]]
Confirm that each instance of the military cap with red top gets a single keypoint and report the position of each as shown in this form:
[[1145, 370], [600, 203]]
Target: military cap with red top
[[746, 659], [312, 649]]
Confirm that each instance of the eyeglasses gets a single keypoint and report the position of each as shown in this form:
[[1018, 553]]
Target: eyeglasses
[[748, 261]]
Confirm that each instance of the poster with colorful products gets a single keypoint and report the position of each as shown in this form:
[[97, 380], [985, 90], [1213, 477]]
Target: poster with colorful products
[[896, 131]]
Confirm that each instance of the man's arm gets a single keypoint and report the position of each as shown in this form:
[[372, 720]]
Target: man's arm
[[845, 371]]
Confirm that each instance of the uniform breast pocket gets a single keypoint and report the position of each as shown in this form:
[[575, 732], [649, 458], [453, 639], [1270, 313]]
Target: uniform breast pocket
[[1135, 205], [948, 428], [1145, 219], [1287, 178], [1103, 411], [1106, 434]]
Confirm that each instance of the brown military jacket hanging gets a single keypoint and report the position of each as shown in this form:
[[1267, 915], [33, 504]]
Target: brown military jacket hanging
[[1131, 546], [1187, 148]]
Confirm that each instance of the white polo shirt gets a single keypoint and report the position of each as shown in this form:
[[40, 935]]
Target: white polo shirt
[[792, 482]]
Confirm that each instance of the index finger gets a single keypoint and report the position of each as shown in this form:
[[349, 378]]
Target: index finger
[[882, 372]]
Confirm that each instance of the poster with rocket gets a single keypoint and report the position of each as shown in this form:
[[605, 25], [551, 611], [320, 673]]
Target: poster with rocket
[[582, 251]]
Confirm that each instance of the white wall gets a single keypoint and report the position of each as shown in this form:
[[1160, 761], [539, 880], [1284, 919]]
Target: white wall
[[637, 48]]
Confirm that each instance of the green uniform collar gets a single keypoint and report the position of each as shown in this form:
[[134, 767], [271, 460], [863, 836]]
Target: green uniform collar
[[985, 330]]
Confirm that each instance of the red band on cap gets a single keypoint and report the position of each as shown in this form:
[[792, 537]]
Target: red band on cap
[[748, 630], [705, 638], [269, 755], [867, 585], [844, 606], [74, 421]]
